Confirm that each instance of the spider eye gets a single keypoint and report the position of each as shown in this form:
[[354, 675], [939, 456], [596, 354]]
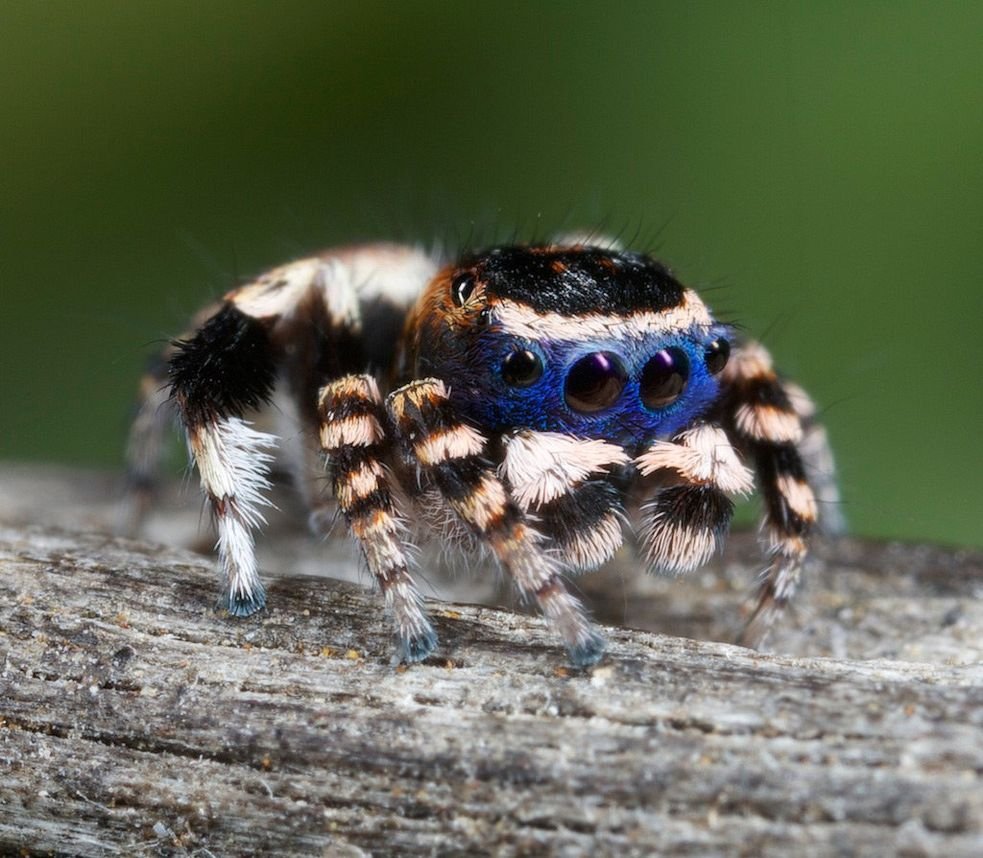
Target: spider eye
[[461, 288], [716, 355], [595, 382], [522, 369], [664, 378]]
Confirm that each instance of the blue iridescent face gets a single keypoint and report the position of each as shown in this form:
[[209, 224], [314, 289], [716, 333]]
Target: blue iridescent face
[[587, 341], [622, 389]]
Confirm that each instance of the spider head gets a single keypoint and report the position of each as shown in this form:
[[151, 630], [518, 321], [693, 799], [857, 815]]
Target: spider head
[[582, 340]]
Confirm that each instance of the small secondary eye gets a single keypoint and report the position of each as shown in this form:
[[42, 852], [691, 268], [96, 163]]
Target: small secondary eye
[[461, 288], [522, 369], [595, 382], [664, 378], [716, 355]]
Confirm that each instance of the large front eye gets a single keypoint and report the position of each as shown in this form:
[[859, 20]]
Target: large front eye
[[522, 369], [664, 378], [595, 382]]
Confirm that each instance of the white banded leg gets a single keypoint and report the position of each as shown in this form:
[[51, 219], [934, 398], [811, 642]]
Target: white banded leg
[[352, 436], [767, 419], [450, 456]]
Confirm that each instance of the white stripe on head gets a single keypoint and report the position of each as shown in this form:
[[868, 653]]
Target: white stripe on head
[[520, 320]]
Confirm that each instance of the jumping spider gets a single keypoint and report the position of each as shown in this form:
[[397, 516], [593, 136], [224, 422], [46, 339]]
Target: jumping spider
[[533, 398]]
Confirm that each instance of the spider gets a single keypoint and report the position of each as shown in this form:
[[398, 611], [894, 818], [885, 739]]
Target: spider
[[535, 401]]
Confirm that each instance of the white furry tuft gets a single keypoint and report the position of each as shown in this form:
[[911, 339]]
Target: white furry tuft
[[702, 454], [672, 547], [233, 461], [542, 466], [592, 549]]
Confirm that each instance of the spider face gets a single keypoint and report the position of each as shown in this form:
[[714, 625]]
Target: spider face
[[593, 343], [541, 398]]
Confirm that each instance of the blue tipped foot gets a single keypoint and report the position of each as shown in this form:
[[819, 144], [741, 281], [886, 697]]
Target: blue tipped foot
[[241, 605], [588, 652], [416, 648]]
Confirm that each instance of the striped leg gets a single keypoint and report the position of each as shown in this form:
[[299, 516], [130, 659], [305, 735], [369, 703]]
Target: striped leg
[[352, 417], [548, 474], [818, 461], [688, 517], [764, 419], [449, 454], [226, 369]]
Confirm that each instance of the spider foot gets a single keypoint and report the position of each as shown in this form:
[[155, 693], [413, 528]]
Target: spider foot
[[242, 604], [415, 648], [587, 652]]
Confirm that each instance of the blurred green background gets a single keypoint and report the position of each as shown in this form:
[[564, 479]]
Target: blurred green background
[[818, 166]]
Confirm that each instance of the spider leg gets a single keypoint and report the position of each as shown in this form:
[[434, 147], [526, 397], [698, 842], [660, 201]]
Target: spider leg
[[225, 370], [450, 455], [768, 423], [557, 478], [818, 461], [145, 445], [293, 320], [686, 520], [154, 415], [352, 417]]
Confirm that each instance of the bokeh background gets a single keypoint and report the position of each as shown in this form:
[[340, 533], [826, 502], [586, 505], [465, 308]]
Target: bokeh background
[[818, 166]]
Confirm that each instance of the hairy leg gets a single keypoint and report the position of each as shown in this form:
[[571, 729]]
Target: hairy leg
[[450, 455], [224, 371], [761, 411], [352, 417], [299, 323], [145, 445]]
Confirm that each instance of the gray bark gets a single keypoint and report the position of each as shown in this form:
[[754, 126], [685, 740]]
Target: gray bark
[[136, 720]]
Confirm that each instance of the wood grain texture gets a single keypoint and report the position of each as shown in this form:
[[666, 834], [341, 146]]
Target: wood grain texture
[[135, 720]]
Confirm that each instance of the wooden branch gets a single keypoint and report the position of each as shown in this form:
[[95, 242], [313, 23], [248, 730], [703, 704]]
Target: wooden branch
[[135, 720]]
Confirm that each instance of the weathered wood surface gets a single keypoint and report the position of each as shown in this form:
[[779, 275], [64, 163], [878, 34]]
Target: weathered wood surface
[[135, 720]]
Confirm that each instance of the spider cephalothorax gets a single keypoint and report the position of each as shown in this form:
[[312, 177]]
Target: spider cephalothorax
[[590, 342], [544, 397]]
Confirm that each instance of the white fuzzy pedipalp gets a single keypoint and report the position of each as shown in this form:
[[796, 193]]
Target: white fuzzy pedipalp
[[542, 466], [702, 454]]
